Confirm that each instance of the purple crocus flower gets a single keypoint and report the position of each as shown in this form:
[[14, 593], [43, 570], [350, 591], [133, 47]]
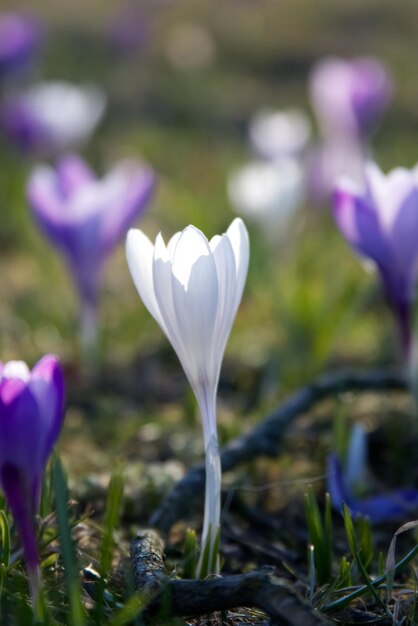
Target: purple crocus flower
[[50, 118], [85, 218], [380, 221], [380, 508], [31, 414], [349, 96], [19, 39]]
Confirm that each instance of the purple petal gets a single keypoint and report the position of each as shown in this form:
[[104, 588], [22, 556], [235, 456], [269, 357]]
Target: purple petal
[[136, 187], [404, 236], [371, 92], [19, 39], [19, 498], [349, 96], [358, 222], [31, 415], [47, 387], [72, 224], [50, 118], [380, 508], [389, 506], [10, 389], [22, 127], [21, 432], [336, 484], [86, 218], [72, 173]]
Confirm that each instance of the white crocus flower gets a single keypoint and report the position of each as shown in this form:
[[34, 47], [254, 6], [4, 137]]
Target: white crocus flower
[[279, 134], [49, 118], [193, 287], [267, 193]]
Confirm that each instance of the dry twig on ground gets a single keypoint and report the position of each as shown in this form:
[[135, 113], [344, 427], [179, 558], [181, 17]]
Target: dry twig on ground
[[171, 597]]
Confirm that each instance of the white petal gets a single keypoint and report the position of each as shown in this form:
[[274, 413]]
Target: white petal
[[195, 297], [279, 133], [16, 369], [224, 258], [171, 246], [389, 191], [139, 254], [238, 236], [69, 112], [190, 246], [162, 279]]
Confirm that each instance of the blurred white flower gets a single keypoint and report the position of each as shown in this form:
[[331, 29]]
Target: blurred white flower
[[277, 134], [268, 193], [52, 117], [192, 287]]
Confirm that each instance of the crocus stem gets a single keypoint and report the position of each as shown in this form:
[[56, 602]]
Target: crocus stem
[[17, 497], [34, 577], [89, 332], [27, 533], [403, 317], [211, 520]]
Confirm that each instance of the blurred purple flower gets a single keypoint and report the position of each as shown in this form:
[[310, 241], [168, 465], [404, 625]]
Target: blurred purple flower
[[380, 221], [31, 414], [349, 96], [20, 36], [50, 118], [384, 507], [85, 218]]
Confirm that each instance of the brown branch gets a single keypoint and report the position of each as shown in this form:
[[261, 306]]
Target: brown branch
[[266, 437], [147, 556], [260, 589], [174, 597]]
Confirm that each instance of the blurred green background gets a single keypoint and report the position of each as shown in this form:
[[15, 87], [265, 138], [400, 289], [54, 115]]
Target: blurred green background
[[308, 306]]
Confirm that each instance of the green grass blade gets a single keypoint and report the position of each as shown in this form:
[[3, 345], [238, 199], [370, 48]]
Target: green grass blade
[[204, 567], [113, 507], [390, 559], [349, 529], [47, 493], [341, 603], [311, 570], [132, 607], [320, 535], [327, 538], [67, 548], [366, 547], [5, 538], [190, 552], [344, 574], [355, 551]]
